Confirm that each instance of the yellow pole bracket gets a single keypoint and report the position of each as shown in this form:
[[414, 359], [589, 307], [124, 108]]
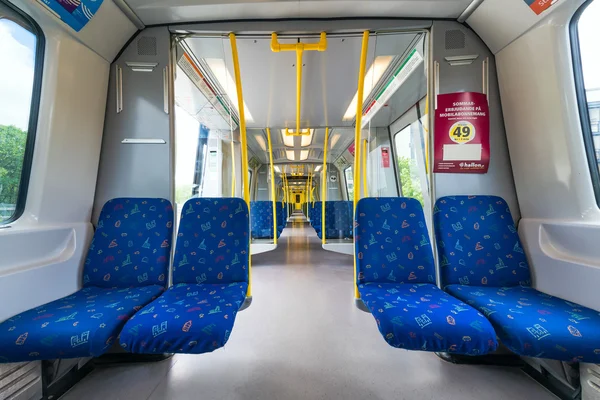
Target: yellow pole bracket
[[299, 48]]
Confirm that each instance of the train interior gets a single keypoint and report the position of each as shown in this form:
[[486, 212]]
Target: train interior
[[280, 199]]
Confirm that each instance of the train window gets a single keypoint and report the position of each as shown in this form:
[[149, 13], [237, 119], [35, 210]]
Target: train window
[[21, 42], [349, 174], [585, 29], [410, 158]]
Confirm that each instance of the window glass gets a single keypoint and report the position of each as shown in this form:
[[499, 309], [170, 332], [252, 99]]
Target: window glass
[[588, 30], [17, 72], [349, 182]]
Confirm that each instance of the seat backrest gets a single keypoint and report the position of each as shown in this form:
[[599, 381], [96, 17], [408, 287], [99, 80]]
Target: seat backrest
[[478, 243], [212, 242], [131, 245], [281, 220], [261, 218], [391, 242]]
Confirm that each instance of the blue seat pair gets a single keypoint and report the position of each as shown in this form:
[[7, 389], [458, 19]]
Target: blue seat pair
[[127, 268], [483, 263], [338, 219], [261, 216]]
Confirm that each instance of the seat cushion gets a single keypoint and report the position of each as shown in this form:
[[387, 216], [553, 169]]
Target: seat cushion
[[392, 243], [83, 324], [423, 317], [478, 243], [213, 242], [131, 245], [532, 323], [185, 319]]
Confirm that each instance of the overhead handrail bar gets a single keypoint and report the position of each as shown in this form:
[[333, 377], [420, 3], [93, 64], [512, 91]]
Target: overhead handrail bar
[[299, 48]]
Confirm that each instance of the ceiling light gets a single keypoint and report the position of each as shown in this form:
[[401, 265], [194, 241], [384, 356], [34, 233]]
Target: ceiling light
[[277, 169], [288, 140], [372, 77], [334, 139], [261, 141], [318, 168], [291, 155], [304, 155], [227, 82]]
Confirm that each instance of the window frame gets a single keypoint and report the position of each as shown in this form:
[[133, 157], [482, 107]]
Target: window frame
[[26, 22], [582, 102], [346, 181]]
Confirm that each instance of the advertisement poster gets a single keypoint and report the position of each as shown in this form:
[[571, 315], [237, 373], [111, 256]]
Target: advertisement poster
[[462, 133], [75, 13], [539, 6], [351, 149]]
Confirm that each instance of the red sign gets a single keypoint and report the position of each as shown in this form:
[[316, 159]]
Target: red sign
[[351, 149], [385, 157], [539, 6], [462, 133]]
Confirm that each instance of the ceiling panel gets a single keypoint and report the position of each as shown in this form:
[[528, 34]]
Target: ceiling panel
[[160, 11]]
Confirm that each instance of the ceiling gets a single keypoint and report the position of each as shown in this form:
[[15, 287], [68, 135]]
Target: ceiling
[[329, 84], [152, 12]]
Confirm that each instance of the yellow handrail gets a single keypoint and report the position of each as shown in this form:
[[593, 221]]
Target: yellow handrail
[[272, 186], [364, 168], [244, 143], [324, 186], [357, 134], [299, 48]]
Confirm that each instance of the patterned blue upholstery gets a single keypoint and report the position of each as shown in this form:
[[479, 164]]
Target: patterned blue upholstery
[[478, 242], [261, 217], [422, 317], [281, 218], [338, 219], [210, 274], [532, 323], [187, 318], [396, 279], [484, 264], [131, 245], [392, 242], [126, 268], [81, 325]]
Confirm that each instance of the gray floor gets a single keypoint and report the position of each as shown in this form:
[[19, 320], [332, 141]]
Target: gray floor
[[303, 338]]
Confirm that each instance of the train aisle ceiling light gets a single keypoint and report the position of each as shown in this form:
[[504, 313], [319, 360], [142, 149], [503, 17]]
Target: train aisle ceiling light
[[304, 155], [226, 81], [306, 136], [261, 141], [372, 77]]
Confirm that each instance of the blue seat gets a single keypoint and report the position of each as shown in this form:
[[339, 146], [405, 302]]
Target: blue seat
[[261, 216], [210, 281], [396, 281], [281, 217], [338, 219], [126, 268], [483, 263]]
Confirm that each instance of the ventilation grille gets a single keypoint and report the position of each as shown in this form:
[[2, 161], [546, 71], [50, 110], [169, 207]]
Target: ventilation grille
[[146, 46], [455, 39]]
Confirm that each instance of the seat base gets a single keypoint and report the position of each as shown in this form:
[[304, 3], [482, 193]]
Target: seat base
[[84, 324], [423, 317], [189, 319], [534, 324]]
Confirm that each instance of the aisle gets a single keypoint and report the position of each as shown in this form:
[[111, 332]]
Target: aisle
[[303, 338]]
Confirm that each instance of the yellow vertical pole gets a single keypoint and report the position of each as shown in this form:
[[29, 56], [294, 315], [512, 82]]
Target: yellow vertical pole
[[364, 168], [272, 187], [324, 185], [299, 51], [244, 143], [359, 108]]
